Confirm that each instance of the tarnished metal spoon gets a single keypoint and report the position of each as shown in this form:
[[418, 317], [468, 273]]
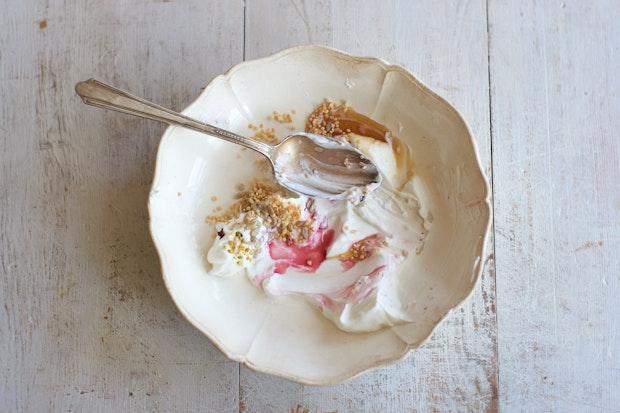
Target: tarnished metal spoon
[[306, 163]]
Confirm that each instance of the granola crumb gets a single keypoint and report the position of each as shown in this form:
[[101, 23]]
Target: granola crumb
[[265, 201], [262, 134], [360, 250], [280, 117], [325, 119], [214, 198]]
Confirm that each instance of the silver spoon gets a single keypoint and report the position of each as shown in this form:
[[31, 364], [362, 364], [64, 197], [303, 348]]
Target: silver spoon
[[306, 163]]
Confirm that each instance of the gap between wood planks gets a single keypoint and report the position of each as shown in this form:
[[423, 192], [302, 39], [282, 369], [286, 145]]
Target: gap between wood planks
[[492, 185]]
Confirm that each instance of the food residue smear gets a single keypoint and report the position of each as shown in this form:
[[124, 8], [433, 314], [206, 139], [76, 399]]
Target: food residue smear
[[344, 258]]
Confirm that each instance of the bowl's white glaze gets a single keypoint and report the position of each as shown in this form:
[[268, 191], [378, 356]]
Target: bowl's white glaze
[[286, 336]]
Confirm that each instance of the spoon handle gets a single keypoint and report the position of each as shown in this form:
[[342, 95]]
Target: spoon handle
[[96, 93]]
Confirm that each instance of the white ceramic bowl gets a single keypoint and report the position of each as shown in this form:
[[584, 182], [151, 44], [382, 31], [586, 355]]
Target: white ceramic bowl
[[287, 336]]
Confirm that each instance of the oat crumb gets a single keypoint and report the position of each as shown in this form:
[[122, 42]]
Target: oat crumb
[[325, 119], [262, 134], [280, 117], [266, 201]]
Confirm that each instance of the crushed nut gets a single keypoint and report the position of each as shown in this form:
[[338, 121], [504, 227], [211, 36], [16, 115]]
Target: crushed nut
[[325, 119], [262, 134], [265, 202], [280, 117]]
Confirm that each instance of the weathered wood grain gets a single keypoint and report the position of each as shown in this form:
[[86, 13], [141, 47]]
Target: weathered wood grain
[[556, 155], [86, 323], [445, 44]]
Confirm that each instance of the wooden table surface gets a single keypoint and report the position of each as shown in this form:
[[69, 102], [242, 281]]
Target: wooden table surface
[[86, 323]]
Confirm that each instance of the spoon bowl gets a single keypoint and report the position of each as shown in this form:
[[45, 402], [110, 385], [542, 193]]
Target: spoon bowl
[[323, 167]]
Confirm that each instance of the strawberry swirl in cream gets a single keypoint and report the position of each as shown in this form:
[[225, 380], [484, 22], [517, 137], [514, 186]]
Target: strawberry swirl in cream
[[344, 258]]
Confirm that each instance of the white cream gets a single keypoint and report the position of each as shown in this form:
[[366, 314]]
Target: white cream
[[384, 157], [364, 297], [223, 262]]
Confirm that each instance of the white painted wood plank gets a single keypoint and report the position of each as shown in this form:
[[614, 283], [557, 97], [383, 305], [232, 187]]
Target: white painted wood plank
[[86, 323], [445, 44], [556, 156]]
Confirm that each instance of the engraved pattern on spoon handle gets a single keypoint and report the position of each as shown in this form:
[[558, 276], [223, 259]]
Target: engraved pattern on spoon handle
[[99, 94]]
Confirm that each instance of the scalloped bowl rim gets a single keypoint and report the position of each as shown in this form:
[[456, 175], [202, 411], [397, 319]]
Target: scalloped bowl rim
[[387, 67]]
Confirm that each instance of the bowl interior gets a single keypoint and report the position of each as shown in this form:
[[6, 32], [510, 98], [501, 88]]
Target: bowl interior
[[286, 335]]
